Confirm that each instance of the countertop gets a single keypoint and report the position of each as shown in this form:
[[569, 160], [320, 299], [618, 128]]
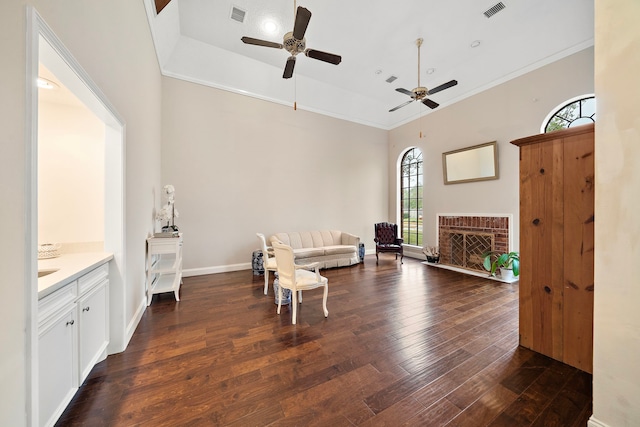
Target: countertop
[[70, 267]]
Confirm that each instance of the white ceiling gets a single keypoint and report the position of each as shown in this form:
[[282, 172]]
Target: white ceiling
[[198, 41]]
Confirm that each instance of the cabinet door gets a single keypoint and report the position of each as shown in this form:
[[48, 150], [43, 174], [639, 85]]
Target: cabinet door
[[94, 328], [541, 243], [579, 223], [57, 364]]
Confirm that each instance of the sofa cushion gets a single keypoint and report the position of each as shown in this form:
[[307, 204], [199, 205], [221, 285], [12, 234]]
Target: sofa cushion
[[339, 249], [310, 239], [307, 252]]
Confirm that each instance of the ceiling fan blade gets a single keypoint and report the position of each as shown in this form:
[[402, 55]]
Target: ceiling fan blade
[[323, 56], [258, 42], [302, 21], [447, 85], [400, 106], [288, 68], [406, 92], [429, 103]]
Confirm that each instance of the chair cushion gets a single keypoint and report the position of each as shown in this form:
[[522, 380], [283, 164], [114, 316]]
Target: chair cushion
[[270, 263], [394, 247], [306, 279]]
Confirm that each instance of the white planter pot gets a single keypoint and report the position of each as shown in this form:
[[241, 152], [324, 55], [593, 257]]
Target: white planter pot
[[507, 274]]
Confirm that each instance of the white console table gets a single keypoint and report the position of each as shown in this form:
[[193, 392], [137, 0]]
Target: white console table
[[164, 266]]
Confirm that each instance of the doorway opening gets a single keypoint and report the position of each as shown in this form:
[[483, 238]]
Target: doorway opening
[[47, 54]]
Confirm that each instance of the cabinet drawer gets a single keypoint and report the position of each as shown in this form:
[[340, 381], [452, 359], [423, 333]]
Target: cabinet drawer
[[48, 305], [93, 277], [165, 246]]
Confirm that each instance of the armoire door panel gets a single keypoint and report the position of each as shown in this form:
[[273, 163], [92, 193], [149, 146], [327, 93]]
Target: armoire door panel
[[579, 252]]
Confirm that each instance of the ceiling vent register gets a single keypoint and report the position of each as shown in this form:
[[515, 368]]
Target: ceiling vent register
[[494, 9], [238, 14]]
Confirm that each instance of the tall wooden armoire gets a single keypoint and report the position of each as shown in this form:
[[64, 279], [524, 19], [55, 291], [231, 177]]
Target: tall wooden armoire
[[557, 244]]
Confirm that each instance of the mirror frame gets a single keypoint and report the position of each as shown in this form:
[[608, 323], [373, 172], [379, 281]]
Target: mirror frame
[[450, 156]]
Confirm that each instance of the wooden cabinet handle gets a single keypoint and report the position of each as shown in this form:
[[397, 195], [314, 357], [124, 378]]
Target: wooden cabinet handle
[[536, 221], [547, 289]]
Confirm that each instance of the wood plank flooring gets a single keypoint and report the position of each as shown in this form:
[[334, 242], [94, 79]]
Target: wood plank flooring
[[404, 345]]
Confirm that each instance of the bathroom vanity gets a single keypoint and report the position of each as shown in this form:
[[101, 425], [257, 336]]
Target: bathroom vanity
[[73, 326]]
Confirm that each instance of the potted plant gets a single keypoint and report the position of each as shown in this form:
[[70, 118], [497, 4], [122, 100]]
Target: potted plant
[[508, 263], [432, 253]]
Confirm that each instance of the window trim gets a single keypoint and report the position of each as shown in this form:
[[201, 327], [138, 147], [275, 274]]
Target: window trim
[[399, 198]]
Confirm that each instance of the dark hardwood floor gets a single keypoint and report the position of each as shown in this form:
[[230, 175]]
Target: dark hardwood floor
[[404, 345]]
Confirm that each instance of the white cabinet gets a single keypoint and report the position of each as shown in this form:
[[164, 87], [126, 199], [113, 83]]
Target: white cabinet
[[72, 337], [57, 367], [164, 266], [93, 319]]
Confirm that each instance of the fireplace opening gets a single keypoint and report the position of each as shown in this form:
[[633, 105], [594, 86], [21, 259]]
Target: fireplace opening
[[464, 238], [466, 249]]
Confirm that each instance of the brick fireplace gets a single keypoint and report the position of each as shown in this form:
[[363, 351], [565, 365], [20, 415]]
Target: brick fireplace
[[463, 238]]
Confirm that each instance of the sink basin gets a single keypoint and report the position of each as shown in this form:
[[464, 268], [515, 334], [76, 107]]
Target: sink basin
[[46, 271]]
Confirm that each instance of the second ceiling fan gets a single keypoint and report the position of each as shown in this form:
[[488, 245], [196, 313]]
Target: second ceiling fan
[[420, 93], [295, 43]]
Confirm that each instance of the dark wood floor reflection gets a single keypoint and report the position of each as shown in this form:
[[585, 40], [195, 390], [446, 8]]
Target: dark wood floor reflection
[[404, 344]]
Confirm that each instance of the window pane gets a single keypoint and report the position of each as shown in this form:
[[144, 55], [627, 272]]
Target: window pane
[[576, 113], [411, 197]]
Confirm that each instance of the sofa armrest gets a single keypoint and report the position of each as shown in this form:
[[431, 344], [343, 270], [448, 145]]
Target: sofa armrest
[[349, 239], [399, 241]]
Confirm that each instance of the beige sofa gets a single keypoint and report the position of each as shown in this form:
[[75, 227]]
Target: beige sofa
[[330, 248]]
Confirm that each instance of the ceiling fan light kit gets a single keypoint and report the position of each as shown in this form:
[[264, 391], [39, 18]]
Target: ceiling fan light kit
[[420, 93], [294, 42]]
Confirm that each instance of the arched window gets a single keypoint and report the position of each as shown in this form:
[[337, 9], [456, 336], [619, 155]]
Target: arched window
[[411, 197], [575, 112]]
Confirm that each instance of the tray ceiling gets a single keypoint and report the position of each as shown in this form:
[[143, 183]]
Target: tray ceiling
[[199, 41]]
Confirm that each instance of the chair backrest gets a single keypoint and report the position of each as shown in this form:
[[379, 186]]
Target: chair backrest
[[263, 243], [286, 265], [386, 233]]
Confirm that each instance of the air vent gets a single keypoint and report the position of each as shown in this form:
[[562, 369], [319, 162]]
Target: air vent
[[391, 79], [238, 14], [494, 9]]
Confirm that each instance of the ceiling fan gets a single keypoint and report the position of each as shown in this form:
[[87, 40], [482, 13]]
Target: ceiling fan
[[295, 43], [420, 93]]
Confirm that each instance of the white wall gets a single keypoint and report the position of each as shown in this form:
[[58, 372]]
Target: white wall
[[506, 112], [111, 41], [616, 373], [241, 165], [71, 173]]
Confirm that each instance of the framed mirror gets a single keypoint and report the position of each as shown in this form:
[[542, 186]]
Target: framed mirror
[[470, 164]]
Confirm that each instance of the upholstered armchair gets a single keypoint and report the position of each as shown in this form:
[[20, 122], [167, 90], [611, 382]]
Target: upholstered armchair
[[297, 278], [387, 240], [268, 260]]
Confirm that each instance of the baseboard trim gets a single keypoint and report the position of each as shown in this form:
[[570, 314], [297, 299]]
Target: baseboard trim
[[131, 327], [593, 422], [218, 269], [189, 272]]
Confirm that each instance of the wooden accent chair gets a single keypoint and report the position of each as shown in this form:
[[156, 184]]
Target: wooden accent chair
[[268, 260], [387, 240], [297, 278]]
